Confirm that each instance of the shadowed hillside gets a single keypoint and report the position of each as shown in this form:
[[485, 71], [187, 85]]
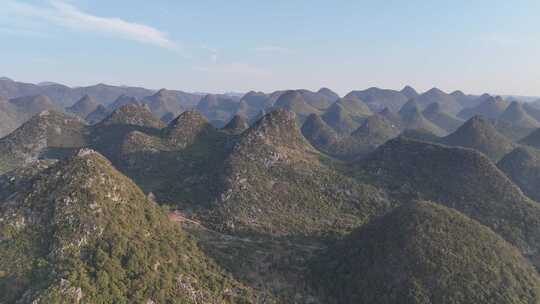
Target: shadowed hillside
[[479, 134], [522, 166], [458, 178], [425, 253]]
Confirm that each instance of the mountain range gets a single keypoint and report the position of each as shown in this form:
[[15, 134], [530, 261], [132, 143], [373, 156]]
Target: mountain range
[[294, 196]]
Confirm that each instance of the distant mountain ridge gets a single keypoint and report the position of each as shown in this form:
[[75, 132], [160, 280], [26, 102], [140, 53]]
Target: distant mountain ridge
[[65, 96], [16, 111]]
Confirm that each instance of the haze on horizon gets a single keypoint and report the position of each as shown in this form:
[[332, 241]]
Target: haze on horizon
[[211, 46]]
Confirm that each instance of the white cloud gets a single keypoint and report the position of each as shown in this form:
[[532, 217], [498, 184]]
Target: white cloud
[[273, 49], [66, 15]]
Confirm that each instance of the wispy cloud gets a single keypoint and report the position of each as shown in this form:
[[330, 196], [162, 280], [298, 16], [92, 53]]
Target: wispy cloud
[[273, 49], [68, 16]]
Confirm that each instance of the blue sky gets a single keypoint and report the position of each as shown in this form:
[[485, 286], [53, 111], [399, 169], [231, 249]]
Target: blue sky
[[217, 46]]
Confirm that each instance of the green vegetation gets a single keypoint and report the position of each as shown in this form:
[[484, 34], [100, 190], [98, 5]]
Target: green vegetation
[[275, 183], [294, 101], [340, 119], [237, 125], [479, 134], [516, 115], [425, 253], [46, 135], [522, 166], [374, 131], [489, 107], [462, 179], [81, 232], [448, 122], [533, 139], [134, 115], [261, 202], [420, 135], [412, 118], [275, 266], [319, 134]]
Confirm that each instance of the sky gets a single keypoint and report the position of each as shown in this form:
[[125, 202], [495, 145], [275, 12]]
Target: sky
[[225, 46]]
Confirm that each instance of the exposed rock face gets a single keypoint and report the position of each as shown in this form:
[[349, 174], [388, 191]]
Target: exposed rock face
[[84, 227], [276, 129], [187, 127], [47, 135], [265, 184], [426, 253], [262, 200]]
